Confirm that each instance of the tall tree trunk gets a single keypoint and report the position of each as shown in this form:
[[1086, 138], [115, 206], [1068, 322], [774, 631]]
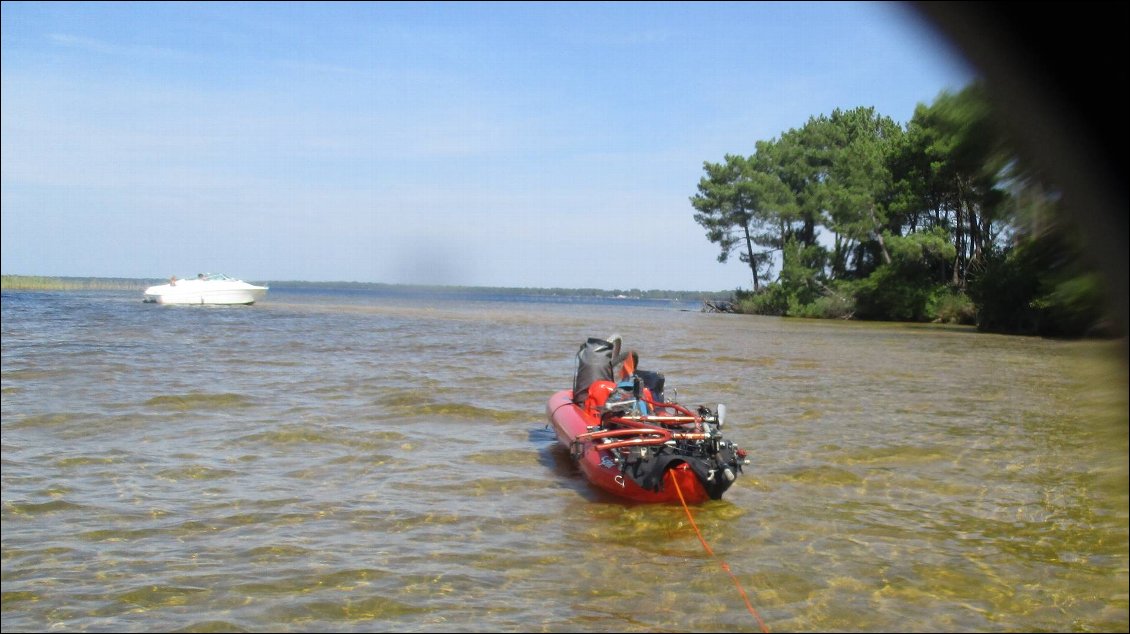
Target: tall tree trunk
[[839, 257], [976, 241], [752, 260], [808, 237], [959, 236], [879, 235]]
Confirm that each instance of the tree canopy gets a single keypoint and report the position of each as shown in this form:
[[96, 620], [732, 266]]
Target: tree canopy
[[852, 215]]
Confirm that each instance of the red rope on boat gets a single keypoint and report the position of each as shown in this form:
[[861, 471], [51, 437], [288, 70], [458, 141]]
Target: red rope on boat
[[725, 566]]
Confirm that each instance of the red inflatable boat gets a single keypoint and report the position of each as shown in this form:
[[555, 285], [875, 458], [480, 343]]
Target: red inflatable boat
[[628, 441]]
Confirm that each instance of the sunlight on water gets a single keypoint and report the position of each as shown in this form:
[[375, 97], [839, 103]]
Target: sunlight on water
[[360, 464]]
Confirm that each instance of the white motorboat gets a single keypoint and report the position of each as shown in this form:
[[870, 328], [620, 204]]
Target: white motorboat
[[206, 288]]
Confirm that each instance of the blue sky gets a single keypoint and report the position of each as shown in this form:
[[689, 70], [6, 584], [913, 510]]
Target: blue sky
[[484, 144]]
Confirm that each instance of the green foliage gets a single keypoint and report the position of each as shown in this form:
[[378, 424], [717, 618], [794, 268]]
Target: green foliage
[[919, 219], [859, 178], [832, 304], [955, 170], [907, 287], [738, 204], [802, 273], [886, 295], [953, 307], [1076, 306], [1003, 286], [1039, 287], [771, 300]]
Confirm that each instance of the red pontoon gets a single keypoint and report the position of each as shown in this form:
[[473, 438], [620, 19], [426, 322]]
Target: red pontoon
[[628, 441]]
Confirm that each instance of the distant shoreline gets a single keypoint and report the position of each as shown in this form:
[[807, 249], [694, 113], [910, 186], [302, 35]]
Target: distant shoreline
[[46, 283]]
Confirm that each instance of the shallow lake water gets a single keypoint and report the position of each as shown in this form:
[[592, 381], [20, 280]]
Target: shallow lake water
[[344, 461]]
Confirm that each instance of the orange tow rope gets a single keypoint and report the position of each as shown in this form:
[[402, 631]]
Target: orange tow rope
[[725, 566]]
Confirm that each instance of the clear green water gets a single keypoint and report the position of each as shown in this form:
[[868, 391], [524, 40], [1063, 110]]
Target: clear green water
[[323, 463]]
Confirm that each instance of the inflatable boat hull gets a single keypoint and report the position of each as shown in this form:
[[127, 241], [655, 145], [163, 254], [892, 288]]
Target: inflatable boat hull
[[600, 466]]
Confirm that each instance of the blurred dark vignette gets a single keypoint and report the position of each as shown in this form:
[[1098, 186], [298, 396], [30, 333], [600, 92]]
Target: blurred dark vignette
[[1058, 72]]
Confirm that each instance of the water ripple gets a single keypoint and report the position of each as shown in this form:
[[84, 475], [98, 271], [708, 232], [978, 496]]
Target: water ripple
[[393, 471]]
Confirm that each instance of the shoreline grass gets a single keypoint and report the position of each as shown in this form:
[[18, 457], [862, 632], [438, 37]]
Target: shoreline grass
[[46, 283]]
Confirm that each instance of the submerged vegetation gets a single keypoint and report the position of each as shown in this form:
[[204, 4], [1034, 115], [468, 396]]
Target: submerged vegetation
[[852, 216]]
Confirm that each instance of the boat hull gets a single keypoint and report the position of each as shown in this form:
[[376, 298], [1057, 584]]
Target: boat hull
[[600, 468], [191, 292]]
